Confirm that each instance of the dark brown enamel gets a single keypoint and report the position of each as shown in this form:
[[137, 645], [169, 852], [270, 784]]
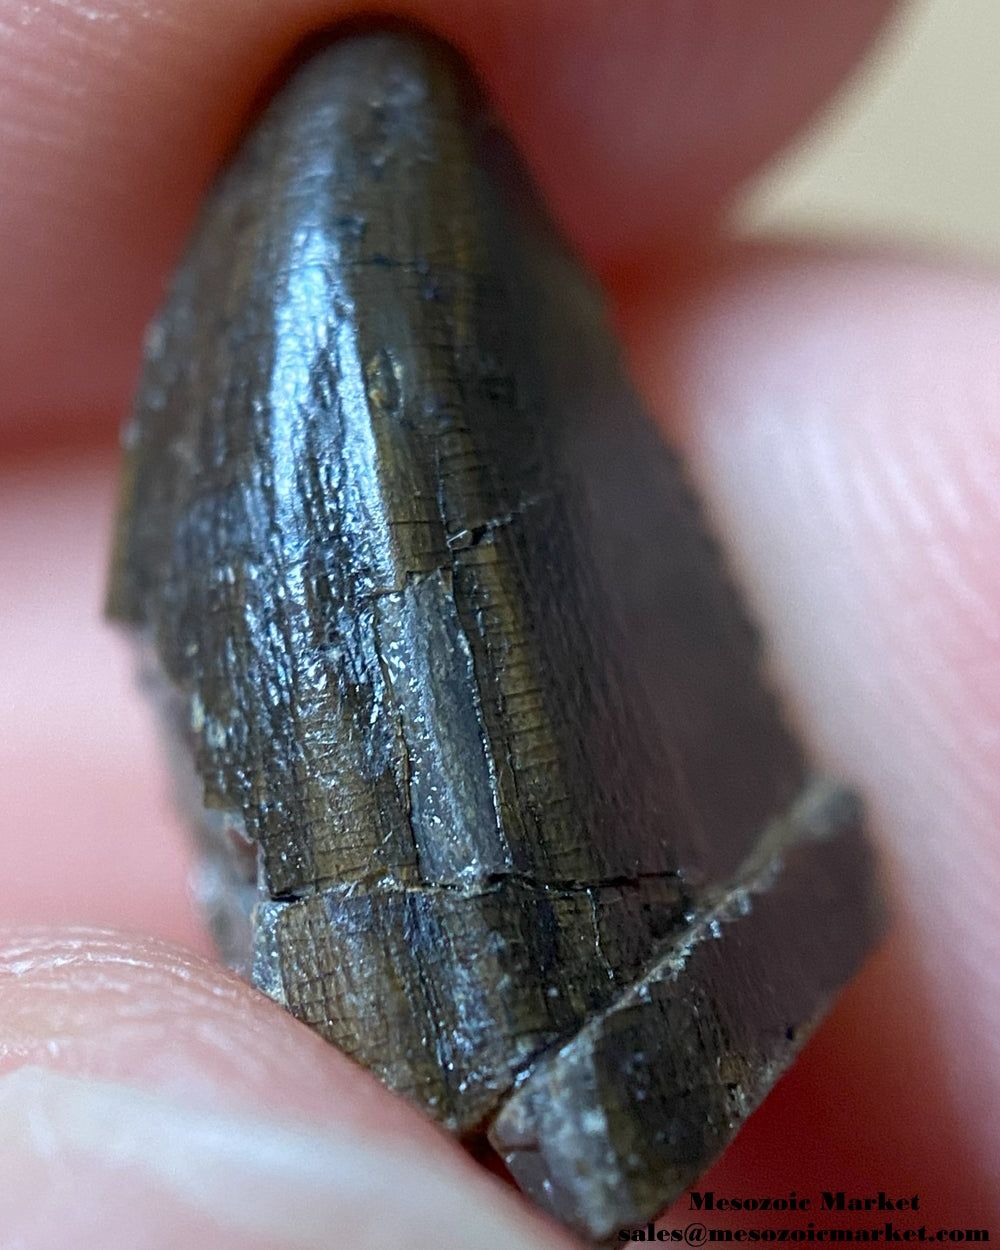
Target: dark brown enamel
[[450, 647]]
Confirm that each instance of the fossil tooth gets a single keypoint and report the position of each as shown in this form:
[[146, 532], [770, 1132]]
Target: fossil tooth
[[490, 791]]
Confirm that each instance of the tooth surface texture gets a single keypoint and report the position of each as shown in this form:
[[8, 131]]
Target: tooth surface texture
[[493, 796]]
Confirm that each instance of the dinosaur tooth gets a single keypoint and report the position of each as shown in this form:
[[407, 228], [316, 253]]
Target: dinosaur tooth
[[491, 792]]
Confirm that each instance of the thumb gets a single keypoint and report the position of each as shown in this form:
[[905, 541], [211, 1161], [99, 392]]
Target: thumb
[[149, 1099]]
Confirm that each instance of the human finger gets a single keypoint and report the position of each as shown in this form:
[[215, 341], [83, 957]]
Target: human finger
[[147, 1098], [841, 416], [637, 120]]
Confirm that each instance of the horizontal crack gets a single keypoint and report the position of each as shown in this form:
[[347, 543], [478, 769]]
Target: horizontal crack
[[490, 883]]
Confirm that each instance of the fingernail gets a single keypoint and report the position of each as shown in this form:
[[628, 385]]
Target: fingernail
[[85, 1162]]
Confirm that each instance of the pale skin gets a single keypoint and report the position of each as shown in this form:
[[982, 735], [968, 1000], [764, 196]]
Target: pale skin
[[840, 412]]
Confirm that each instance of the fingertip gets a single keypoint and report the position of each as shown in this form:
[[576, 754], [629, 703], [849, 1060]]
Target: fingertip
[[108, 1164], [113, 116], [840, 413], [146, 1096], [97, 1003]]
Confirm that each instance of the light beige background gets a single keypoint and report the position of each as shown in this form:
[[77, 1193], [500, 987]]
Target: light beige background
[[910, 151]]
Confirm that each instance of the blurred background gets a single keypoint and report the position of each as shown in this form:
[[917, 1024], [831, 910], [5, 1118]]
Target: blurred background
[[910, 151]]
